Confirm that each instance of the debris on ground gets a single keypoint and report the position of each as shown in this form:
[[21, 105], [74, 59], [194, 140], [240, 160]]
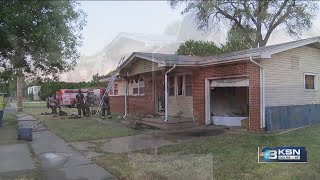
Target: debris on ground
[[63, 113], [73, 116], [45, 113], [178, 114], [93, 112]]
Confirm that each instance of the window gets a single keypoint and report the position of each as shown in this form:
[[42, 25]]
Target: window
[[138, 88], [179, 85], [114, 90], [171, 86], [310, 81], [188, 84]]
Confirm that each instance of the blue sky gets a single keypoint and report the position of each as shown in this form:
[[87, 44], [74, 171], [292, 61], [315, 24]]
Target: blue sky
[[108, 18]]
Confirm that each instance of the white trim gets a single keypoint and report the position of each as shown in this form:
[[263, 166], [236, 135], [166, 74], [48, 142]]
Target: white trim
[[166, 92], [293, 45], [316, 88], [207, 100]]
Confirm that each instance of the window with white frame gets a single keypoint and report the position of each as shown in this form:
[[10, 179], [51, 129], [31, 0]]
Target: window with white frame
[[310, 81], [114, 91], [138, 88], [180, 85]]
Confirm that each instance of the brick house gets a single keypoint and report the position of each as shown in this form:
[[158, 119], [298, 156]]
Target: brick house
[[275, 87]]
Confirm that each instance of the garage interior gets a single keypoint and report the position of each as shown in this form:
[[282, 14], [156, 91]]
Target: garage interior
[[229, 101]]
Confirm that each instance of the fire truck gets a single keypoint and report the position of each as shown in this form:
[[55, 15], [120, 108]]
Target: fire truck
[[67, 97]]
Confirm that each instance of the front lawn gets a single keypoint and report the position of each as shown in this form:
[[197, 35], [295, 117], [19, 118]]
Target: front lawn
[[34, 104], [80, 129], [234, 156]]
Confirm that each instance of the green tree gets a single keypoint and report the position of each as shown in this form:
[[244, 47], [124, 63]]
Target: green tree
[[40, 36], [263, 17], [238, 39], [198, 48]]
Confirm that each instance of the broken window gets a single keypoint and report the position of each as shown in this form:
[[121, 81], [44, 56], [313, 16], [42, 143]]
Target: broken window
[[138, 88], [310, 81], [188, 83]]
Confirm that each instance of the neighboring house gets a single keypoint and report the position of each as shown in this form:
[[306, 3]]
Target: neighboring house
[[276, 87], [34, 90]]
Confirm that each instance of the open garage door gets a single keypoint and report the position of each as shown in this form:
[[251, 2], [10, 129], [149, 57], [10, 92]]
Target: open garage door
[[229, 101]]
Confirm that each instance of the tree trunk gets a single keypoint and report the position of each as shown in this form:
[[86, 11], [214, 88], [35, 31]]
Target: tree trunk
[[19, 93]]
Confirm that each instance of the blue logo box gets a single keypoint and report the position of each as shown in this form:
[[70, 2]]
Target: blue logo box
[[282, 154]]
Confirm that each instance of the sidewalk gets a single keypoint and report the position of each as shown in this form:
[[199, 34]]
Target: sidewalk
[[58, 160]]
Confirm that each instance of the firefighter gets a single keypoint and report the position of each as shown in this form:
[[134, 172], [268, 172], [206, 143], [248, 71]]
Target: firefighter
[[54, 104], [106, 106], [86, 104], [80, 103]]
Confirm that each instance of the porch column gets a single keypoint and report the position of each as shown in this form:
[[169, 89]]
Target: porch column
[[166, 92], [126, 99]]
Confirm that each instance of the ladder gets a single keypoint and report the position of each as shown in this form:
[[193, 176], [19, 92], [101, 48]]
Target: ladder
[[110, 84]]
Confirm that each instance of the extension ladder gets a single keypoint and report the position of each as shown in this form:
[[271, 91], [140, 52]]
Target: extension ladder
[[110, 84]]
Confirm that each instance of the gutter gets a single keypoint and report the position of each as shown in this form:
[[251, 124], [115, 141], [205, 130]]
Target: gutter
[[166, 92], [262, 93]]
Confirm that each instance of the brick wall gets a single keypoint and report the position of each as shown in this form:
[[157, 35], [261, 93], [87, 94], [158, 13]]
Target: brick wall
[[136, 104], [245, 68], [117, 104]]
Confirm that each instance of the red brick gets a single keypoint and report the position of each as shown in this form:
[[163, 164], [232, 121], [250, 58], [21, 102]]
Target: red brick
[[249, 69]]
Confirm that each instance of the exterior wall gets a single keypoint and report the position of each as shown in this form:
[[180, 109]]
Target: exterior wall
[[284, 86], [143, 104], [180, 103], [142, 66], [288, 104], [117, 104], [121, 87], [245, 68]]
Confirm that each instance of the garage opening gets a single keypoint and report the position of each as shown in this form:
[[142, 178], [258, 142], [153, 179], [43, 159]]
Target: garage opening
[[229, 101]]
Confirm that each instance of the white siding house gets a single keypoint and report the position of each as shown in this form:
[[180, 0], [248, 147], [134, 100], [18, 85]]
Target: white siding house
[[285, 77]]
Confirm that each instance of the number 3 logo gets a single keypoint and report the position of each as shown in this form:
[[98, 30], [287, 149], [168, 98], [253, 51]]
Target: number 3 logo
[[272, 154]]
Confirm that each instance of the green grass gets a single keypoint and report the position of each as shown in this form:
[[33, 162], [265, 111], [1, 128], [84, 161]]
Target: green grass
[[34, 104], [80, 129], [234, 156], [8, 131]]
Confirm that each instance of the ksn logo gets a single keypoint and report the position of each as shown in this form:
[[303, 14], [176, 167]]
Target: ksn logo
[[282, 154]]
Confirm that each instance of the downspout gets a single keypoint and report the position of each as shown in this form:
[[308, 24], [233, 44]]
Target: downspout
[[166, 92], [262, 93]]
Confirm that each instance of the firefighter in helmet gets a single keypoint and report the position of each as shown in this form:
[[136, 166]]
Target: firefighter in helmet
[[80, 103]]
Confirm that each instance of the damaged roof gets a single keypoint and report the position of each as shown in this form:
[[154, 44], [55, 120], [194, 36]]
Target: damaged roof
[[183, 60]]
